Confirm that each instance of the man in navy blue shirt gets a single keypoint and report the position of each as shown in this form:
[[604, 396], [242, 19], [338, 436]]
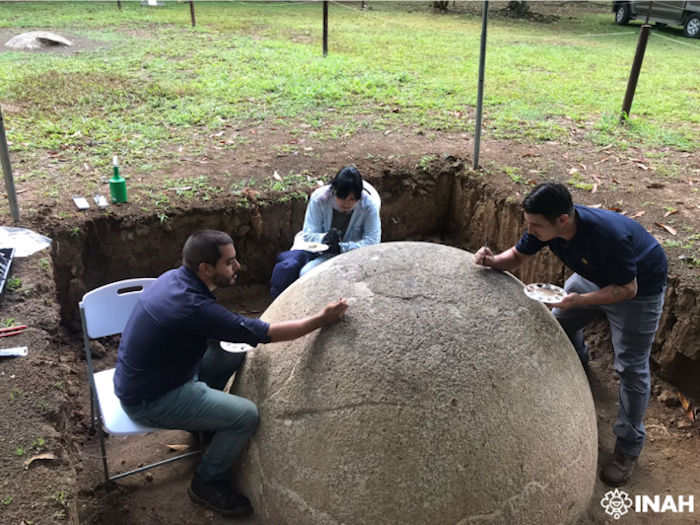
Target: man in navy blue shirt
[[171, 369], [620, 270]]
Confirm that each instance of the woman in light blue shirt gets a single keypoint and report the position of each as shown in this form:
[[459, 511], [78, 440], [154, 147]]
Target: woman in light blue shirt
[[343, 214]]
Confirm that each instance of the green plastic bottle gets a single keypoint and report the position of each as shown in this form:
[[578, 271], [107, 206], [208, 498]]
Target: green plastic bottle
[[117, 184]]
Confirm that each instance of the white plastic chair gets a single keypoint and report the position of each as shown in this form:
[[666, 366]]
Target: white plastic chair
[[104, 311]]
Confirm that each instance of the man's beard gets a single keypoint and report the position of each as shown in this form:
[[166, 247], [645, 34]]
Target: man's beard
[[222, 282]]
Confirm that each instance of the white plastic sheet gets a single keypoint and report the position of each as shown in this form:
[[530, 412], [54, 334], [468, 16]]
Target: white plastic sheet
[[24, 241]]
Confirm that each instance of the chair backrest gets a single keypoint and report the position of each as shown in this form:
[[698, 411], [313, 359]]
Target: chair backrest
[[373, 194], [106, 309]]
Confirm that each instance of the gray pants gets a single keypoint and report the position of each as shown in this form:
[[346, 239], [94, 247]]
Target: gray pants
[[633, 324], [200, 404]]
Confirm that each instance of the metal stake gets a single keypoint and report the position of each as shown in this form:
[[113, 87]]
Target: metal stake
[[325, 28], [7, 171], [480, 87]]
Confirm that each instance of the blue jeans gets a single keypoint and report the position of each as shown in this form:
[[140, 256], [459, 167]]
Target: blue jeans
[[200, 405], [633, 324], [314, 263]]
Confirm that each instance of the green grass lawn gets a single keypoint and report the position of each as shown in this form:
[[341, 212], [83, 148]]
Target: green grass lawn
[[154, 79]]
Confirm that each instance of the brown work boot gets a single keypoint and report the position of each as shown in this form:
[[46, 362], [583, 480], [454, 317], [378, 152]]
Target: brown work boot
[[618, 470], [218, 496]]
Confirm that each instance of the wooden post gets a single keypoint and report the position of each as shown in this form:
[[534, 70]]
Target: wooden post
[[634, 73], [119, 4], [325, 28], [192, 12]]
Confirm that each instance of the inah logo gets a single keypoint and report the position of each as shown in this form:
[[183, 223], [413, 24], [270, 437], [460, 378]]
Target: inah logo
[[616, 503]]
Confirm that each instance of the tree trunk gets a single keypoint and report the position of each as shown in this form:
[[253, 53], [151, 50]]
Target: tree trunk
[[442, 6]]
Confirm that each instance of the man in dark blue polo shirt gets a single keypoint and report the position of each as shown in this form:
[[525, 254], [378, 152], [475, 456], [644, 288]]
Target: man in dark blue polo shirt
[[620, 270], [171, 369]]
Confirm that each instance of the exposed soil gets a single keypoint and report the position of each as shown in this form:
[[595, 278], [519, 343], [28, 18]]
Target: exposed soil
[[632, 182]]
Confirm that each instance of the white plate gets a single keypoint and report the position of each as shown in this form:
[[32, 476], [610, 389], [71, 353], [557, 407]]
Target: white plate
[[314, 247], [545, 293], [235, 347]]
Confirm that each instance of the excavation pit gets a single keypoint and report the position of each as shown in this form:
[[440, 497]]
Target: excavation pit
[[446, 203]]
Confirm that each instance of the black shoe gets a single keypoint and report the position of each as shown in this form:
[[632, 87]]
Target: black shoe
[[218, 496], [619, 469]]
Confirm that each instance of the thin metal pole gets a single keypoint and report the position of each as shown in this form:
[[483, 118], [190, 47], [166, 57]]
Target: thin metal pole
[[7, 170], [192, 12], [325, 28], [634, 73], [480, 87]]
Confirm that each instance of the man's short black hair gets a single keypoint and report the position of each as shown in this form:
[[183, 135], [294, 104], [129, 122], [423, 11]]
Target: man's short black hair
[[348, 180], [203, 246], [549, 199]]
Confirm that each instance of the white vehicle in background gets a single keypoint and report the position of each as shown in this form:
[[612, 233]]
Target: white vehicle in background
[[663, 12]]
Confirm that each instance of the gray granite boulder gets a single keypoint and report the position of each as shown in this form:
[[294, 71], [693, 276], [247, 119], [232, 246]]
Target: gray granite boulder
[[445, 396]]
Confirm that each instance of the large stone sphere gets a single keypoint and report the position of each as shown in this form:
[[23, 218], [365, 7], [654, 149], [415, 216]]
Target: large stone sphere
[[445, 396]]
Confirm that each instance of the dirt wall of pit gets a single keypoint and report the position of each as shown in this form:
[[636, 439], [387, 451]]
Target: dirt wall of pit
[[447, 201]]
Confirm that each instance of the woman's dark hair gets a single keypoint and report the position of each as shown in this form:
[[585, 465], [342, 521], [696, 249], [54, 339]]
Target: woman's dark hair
[[203, 247], [549, 199], [348, 180]]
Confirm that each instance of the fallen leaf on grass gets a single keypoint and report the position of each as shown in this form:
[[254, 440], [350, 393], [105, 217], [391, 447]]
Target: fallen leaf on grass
[[669, 229], [276, 176], [637, 214], [642, 166], [47, 456], [656, 185], [178, 448], [670, 212]]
